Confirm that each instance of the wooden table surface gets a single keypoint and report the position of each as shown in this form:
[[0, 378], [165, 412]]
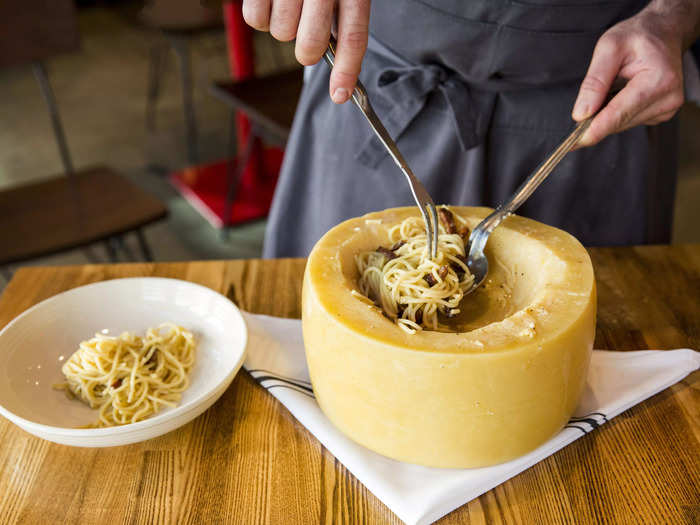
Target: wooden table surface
[[247, 460]]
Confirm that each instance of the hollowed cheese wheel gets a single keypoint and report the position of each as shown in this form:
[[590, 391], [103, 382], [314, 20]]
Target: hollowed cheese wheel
[[507, 380]]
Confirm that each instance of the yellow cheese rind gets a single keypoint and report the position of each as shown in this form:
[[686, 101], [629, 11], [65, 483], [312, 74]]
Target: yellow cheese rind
[[486, 395]]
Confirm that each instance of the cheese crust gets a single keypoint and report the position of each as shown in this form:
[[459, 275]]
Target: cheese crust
[[504, 382]]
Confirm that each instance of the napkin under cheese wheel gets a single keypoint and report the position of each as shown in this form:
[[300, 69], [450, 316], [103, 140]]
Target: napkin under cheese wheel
[[504, 382]]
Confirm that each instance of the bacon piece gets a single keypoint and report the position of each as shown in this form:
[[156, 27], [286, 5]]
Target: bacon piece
[[397, 245], [386, 252], [457, 268], [448, 220], [442, 272], [430, 279], [401, 310], [152, 359]]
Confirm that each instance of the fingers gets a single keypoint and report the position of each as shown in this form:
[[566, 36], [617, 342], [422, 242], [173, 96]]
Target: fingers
[[644, 100], [353, 25], [314, 31], [310, 22], [256, 14], [663, 117], [661, 110], [284, 19], [604, 67], [616, 114], [664, 101]]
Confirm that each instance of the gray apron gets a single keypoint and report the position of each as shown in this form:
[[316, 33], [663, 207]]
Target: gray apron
[[476, 93]]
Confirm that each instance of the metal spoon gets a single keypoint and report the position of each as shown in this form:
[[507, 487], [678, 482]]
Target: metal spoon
[[476, 261]]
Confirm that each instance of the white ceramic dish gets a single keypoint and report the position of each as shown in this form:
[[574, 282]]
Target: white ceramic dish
[[34, 346]]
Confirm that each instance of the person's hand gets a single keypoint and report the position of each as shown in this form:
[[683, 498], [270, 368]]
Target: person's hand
[[646, 50], [310, 21]]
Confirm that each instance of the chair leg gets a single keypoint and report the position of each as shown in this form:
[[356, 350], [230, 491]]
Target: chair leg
[[111, 250], [146, 252], [183, 53], [124, 248], [90, 255], [230, 170], [45, 86], [235, 169], [155, 73]]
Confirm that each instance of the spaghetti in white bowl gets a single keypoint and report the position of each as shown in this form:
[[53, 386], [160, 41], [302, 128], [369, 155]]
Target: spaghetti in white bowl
[[37, 344], [129, 378]]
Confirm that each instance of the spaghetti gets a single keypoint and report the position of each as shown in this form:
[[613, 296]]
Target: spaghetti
[[130, 378], [411, 288]]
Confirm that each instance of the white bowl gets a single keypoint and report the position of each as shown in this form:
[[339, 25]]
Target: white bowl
[[34, 346]]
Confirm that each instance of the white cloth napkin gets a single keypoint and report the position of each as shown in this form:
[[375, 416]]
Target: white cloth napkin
[[418, 495]]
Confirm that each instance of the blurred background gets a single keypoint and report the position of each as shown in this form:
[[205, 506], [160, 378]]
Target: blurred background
[[165, 124]]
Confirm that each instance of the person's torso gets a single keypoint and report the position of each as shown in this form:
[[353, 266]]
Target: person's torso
[[499, 44]]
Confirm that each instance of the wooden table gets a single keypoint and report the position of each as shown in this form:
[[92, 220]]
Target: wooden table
[[247, 460]]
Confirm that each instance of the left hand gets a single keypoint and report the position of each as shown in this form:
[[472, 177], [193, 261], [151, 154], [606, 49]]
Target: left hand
[[646, 50]]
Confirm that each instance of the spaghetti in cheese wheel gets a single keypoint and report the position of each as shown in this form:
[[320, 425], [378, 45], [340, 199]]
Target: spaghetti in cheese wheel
[[409, 286], [506, 377]]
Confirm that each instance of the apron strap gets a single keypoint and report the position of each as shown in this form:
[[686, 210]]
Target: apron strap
[[409, 88]]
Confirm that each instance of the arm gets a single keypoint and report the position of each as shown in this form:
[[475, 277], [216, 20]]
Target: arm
[[310, 21], [646, 50]]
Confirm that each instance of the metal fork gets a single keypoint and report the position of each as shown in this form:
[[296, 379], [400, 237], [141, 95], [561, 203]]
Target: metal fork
[[420, 194]]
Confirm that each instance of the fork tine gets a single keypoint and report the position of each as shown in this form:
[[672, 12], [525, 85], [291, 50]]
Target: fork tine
[[434, 223], [425, 212]]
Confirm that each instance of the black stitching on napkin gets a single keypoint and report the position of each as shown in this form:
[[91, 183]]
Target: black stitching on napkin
[[294, 380], [260, 379], [291, 388], [587, 416], [298, 385], [592, 422], [588, 419]]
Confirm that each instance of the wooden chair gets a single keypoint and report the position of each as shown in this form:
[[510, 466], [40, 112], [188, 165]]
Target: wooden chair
[[270, 103], [85, 206], [178, 21]]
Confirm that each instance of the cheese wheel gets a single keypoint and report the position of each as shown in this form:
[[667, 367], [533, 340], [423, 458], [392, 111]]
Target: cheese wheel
[[506, 380]]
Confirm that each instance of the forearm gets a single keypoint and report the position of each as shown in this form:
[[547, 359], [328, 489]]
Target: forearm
[[679, 17]]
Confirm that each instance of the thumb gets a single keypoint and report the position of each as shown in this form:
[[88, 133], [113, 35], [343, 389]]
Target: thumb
[[604, 67]]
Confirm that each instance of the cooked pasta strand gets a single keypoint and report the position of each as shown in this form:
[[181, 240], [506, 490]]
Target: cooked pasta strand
[[407, 285], [129, 378]]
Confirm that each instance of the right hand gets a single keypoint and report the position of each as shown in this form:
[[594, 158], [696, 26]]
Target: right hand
[[310, 22]]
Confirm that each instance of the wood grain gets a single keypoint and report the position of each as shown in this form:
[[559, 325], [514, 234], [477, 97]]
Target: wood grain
[[247, 460]]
